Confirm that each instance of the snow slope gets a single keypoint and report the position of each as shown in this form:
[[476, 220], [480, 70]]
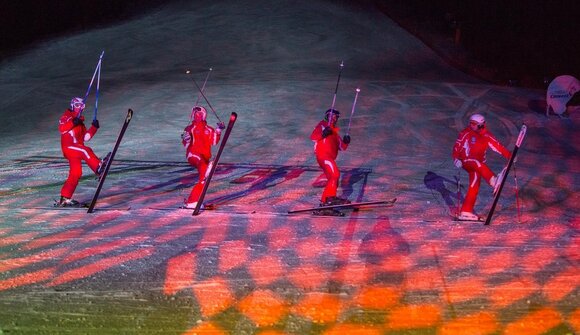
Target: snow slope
[[248, 267]]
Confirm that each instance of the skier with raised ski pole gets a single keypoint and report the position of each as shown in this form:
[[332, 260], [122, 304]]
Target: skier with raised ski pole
[[327, 143], [73, 135], [198, 138]]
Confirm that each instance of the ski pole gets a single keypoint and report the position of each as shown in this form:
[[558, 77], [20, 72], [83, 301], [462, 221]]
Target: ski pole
[[203, 95], [94, 74], [517, 195], [335, 91], [203, 86], [97, 93], [458, 192], [352, 111]]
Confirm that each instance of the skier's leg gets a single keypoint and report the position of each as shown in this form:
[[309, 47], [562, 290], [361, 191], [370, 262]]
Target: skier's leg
[[75, 173], [486, 174], [332, 174], [201, 165], [85, 153], [472, 168]]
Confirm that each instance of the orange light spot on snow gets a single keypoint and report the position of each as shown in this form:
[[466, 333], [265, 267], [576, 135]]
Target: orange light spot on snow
[[458, 259], [177, 233], [319, 307], [497, 262], [15, 263], [308, 276], [395, 263], [352, 274], [535, 323], [424, 279], [115, 230], [281, 237], [180, 273], [213, 296], [310, 248], [517, 237], [353, 329], [414, 316], [505, 294], [101, 265], [263, 307], [574, 320], [562, 284], [27, 279], [232, 254], [65, 236], [206, 328], [537, 259], [480, 323], [17, 238], [215, 232], [258, 225], [466, 289], [266, 270], [378, 297], [103, 248]]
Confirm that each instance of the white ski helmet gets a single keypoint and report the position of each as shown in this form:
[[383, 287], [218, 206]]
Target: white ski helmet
[[329, 111], [477, 118], [79, 102], [198, 110]]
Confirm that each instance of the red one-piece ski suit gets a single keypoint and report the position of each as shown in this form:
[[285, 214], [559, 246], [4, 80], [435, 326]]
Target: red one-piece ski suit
[[326, 151], [198, 143], [72, 141], [470, 148]]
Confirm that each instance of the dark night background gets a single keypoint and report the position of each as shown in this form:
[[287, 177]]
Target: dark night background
[[507, 42]]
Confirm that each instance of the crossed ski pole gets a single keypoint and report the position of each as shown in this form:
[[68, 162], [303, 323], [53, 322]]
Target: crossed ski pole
[[96, 74], [334, 97], [203, 95], [352, 111], [203, 86]]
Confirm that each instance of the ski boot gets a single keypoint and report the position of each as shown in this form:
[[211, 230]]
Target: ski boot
[[102, 165], [331, 201], [327, 212], [496, 181], [67, 202], [467, 216]]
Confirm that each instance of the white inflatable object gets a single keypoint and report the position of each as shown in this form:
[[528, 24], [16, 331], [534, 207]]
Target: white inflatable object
[[559, 92]]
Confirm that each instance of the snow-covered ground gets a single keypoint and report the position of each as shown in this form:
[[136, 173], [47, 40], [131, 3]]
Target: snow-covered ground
[[134, 267]]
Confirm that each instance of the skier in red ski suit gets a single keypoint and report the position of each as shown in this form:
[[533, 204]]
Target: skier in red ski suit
[[469, 152], [327, 142], [198, 139], [73, 135]]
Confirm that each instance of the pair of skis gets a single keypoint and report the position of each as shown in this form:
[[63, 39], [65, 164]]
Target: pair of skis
[[334, 210]]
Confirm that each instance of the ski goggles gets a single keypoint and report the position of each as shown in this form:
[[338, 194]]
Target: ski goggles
[[479, 125], [79, 105]]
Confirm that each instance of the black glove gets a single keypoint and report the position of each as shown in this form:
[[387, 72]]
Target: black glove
[[95, 123], [326, 132], [346, 139], [221, 125], [77, 121]]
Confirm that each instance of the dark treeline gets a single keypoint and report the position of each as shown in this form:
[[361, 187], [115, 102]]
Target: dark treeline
[[523, 41]]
